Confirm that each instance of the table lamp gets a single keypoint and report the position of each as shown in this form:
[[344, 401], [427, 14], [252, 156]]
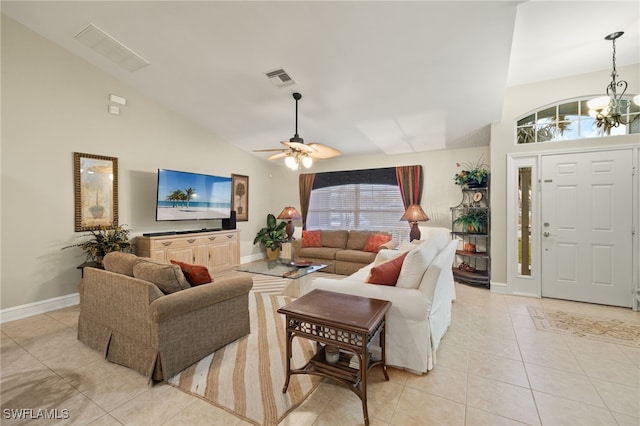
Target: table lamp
[[414, 214], [289, 213]]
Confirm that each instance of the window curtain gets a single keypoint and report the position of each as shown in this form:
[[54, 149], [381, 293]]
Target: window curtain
[[305, 186], [410, 182]]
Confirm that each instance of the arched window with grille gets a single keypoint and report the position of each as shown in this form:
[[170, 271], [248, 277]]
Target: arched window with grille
[[570, 120]]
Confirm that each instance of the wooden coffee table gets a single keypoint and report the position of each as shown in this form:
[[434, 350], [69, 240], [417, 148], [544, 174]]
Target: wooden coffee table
[[349, 322]]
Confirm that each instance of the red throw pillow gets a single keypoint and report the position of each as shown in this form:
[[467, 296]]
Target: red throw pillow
[[311, 239], [195, 274], [375, 241], [387, 273]]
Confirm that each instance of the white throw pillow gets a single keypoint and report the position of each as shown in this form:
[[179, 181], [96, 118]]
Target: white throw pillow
[[418, 260]]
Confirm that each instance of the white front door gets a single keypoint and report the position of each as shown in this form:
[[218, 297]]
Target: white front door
[[586, 202]]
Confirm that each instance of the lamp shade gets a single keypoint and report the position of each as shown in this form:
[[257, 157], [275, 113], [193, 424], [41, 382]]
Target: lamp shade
[[289, 213], [414, 213], [598, 103]]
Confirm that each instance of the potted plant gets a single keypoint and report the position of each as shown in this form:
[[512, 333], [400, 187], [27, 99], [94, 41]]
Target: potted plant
[[104, 240], [474, 221], [472, 175], [272, 236]]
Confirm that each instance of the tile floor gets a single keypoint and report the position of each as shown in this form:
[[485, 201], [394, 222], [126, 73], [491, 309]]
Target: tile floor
[[493, 368]]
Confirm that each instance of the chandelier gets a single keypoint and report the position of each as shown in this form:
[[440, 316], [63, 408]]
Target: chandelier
[[609, 111], [296, 159]]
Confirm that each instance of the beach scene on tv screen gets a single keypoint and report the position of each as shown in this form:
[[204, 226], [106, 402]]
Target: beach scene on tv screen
[[192, 196]]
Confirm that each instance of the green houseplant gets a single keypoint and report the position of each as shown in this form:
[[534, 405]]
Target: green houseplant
[[474, 221], [272, 236], [104, 240], [472, 174]]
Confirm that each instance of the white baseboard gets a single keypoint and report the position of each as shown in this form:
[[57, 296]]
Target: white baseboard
[[498, 288], [40, 307]]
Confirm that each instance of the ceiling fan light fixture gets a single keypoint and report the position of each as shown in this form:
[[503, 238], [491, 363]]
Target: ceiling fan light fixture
[[297, 154], [291, 162]]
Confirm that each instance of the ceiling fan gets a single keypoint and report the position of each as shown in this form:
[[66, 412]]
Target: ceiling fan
[[297, 153]]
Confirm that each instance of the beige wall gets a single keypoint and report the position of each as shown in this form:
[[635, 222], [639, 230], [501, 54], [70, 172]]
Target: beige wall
[[521, 100], [54, 104]]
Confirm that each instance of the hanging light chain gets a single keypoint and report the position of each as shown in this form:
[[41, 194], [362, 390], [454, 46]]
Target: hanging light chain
[[611, 115]]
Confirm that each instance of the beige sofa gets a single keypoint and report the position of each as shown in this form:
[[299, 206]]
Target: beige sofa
[[342, 250], [133, 323]]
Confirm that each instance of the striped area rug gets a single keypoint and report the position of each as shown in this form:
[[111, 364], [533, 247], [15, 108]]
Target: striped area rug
[[246, 377], [271, 285]]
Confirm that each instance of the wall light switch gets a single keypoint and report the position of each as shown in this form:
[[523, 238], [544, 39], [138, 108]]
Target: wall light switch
[[117, 99], [114, 110]]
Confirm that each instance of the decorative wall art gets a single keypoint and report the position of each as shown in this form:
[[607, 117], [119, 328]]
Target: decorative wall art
[[240, 197], [95, 182]]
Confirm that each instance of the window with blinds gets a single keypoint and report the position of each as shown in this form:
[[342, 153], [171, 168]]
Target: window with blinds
[[361, 206]]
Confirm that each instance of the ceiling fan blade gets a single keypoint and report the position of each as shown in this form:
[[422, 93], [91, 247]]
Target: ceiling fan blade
[[269, 150], [299, 146], [278, 155], [323, 151]]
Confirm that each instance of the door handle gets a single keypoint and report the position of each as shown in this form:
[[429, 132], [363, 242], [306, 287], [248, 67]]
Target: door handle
[[546, 234]]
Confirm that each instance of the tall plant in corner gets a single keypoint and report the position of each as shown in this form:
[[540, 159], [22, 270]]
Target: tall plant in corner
[[272, 236]]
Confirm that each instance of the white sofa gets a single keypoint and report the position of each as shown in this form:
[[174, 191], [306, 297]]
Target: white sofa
[[419, 317]]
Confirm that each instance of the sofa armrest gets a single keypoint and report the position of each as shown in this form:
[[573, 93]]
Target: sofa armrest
[[195, 298], [296, 245]]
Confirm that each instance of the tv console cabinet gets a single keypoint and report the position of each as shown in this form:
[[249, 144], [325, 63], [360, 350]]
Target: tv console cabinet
[[217, 250]]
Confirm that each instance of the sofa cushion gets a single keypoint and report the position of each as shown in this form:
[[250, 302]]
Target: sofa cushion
[[387, 272], [357, 239], [356, 256], [168, 278], [311, 238], [120, 263], [335, 239], [376, 240], [418, 260], [318, 253], [195, 274]]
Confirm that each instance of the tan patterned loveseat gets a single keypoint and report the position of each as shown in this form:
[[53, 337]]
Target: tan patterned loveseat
[[133, 323], [344, 251]]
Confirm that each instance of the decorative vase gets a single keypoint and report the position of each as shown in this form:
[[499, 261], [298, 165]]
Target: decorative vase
[[331, 354], [272, 254]]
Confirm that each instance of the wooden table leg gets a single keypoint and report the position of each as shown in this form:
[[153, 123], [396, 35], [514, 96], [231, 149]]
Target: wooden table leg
[[364, 367], [382, 351], [289, 337]]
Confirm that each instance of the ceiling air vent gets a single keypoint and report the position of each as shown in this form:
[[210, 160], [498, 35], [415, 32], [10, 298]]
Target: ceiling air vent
[[101, 42], [279, 77]]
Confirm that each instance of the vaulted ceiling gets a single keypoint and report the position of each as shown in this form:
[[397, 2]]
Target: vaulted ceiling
[[375, 77]]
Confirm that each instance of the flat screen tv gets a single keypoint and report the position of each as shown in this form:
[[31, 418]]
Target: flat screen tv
[[192, 196]]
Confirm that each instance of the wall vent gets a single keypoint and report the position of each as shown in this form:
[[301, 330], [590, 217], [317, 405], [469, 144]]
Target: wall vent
[[101, 42], [279, 77]]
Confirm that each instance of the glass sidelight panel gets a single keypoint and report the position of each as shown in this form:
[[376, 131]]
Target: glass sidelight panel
[[524, 220]]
